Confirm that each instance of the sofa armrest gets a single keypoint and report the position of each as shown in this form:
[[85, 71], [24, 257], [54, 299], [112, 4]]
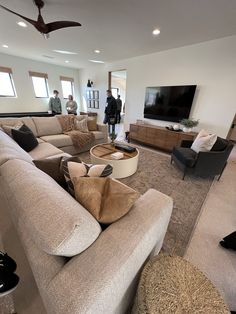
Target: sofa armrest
[[103, 278]]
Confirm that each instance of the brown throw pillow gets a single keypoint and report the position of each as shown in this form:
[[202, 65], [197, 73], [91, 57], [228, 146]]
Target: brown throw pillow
[[105, 198], [52, 167], [92, 124]]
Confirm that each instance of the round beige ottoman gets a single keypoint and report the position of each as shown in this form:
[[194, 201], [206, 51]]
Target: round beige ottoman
[[170, 284]]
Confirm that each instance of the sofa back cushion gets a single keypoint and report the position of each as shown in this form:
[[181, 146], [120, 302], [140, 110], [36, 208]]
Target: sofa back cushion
[[24, 120], [47, 125], [56, 222], [9, 149]]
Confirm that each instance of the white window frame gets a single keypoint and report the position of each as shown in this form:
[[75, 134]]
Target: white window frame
[[9, 72], [67, 79], [40, 75]]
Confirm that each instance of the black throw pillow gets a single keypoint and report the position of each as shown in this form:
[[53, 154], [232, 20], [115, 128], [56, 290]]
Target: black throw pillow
[[52, 167], [220, 144], [25, 138]]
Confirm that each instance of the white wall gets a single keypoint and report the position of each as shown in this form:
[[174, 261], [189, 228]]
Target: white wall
[[25, 100], [210, 65]]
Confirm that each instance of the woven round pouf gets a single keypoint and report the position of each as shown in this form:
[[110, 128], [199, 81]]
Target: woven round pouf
[[170, 284]]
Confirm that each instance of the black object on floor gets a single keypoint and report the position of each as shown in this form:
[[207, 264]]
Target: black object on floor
[[125, 148], [8, 282], [229, 242], [7, 263]]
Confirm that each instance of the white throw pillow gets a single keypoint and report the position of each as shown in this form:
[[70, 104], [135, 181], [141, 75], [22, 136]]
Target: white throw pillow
[[82, 125], [204, 142]]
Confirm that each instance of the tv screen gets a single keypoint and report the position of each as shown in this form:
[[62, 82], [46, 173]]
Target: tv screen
[[169, 103]]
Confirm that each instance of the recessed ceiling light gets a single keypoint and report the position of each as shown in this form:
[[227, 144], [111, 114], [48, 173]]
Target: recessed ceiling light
[[156, 31], [66, 52], [96, 61], [67, 61], [5, 46], [97, 51], [22, 24]]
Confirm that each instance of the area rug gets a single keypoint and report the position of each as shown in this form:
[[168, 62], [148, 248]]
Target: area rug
[[155, 171]]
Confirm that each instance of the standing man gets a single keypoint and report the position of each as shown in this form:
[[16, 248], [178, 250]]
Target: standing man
[[55, 103], [119, 106], [110, 110]]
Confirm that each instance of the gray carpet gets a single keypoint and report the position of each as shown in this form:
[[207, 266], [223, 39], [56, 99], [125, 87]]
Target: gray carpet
[[155, 171]]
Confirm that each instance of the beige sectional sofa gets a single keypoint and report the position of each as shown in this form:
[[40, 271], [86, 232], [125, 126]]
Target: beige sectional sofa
[[49, 130], [78, 267]]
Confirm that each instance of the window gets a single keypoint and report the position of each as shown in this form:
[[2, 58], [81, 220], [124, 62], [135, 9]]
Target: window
[[7, 88], [40, 83], [67, 84]]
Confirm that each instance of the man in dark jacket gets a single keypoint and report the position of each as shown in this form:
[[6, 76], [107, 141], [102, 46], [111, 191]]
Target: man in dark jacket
[[110, 110]]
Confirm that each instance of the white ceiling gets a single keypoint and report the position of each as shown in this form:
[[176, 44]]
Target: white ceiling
[[120, 29]]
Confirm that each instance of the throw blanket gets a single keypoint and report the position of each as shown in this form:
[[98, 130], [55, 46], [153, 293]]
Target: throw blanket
[[79, 139]]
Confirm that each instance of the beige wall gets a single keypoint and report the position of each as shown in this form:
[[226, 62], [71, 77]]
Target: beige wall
[[25, 100], [210, 65]]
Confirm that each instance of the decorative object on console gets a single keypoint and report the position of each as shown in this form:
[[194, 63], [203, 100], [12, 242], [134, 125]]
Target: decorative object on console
[[189, 124], [105, 198], [176, 127]]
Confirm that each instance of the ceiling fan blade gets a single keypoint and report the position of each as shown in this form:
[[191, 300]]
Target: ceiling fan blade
[[23, 17], [60, 24]]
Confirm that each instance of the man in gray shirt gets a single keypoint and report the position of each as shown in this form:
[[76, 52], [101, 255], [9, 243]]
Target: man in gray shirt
[[55, 103]]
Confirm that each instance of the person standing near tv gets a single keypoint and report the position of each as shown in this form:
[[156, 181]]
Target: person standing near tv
[[110, 111]]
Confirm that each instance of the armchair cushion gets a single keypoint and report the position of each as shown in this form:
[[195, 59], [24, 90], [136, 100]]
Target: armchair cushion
[[186, 156], [220, 144], [204, 142]]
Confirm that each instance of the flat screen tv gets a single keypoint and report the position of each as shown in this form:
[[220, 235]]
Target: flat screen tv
[[169, 103]]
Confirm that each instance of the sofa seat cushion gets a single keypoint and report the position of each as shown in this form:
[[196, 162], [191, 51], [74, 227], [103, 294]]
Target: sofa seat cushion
[[56, 222], [11, 150], [47, 125], [44, 150], [186, 156], [58, 140], [98, 135]]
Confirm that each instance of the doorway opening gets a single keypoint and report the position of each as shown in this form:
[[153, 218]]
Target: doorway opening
[[232, 131], [117, 85]]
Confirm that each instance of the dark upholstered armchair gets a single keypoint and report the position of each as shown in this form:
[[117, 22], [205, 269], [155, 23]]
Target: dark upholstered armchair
[[203, 164]]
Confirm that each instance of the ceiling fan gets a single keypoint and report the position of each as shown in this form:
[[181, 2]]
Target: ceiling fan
[[40, 25]]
